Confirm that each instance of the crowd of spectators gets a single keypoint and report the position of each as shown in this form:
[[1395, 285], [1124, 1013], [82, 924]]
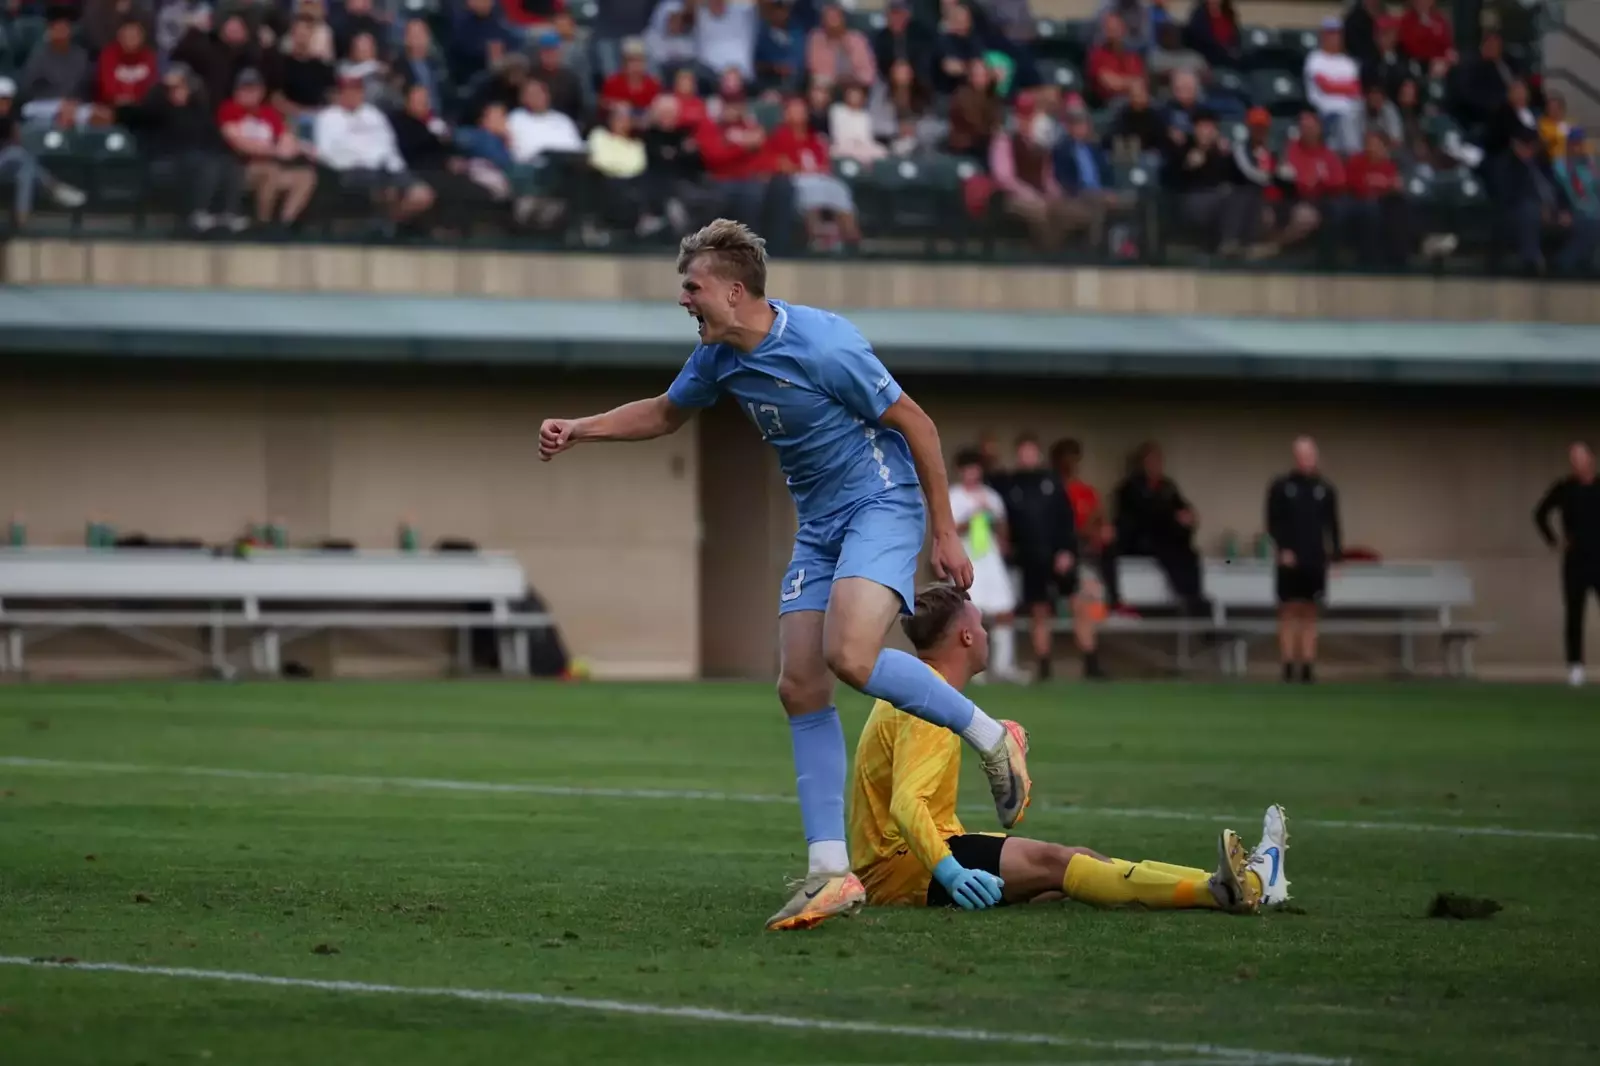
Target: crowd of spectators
[[686, 108]]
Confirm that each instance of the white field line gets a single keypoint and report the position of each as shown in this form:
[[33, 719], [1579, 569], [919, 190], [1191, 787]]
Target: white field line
[[1208, 1053], [533, 788]]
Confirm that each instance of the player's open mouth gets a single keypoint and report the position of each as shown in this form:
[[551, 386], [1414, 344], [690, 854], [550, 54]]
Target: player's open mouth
[[699, 323]]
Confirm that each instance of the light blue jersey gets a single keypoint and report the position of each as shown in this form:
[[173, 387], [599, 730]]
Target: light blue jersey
[[815, 391]]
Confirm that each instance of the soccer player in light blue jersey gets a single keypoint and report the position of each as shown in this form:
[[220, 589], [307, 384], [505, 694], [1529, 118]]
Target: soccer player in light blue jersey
[[859, 457]]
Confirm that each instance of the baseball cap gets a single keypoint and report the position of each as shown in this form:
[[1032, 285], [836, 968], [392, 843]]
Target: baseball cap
[[349, 74], [248, 76], [1332, 23], [549, 39], [1258, 116], [8, 88]]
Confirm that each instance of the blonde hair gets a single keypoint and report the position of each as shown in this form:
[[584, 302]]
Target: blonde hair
[[737, 253]]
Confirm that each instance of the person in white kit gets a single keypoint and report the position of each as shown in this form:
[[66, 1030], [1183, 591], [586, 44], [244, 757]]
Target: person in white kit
[[980, 516]]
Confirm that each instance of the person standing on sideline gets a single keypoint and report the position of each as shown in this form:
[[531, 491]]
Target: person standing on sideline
[[1577, 497], [980, 517], [1303, 522]]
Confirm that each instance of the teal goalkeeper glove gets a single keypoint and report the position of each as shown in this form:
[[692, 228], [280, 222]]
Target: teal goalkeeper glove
[[973, 890]]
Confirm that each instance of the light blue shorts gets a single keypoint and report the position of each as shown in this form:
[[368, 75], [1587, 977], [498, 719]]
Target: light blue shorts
[[879, 539]]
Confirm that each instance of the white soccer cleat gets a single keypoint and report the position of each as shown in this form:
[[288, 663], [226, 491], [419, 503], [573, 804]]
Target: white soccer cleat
[[1266, 861], [818, 898], [1006, 767], [1235, 891]]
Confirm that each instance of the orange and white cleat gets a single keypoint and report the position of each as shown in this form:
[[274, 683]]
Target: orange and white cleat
[[1006, 767], [818, 898]]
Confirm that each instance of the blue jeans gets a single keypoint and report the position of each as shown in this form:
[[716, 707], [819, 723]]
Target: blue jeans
[[21, 167]]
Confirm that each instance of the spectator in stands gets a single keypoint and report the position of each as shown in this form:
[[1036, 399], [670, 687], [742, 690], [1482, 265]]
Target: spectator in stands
[[1378, 114], [1170, 55], [850, 127], [675, 172], [691, 109], [1415, 145], [1213, 31], [21, 169], [1153, 519], [218, 58], [178, 131], [356, 19], [1083, 173], [537, 127], [307, 77], [670, 40], [1199, 170], [741, 167], [1535, 207], [1318, 174], [1024, 174], [1483, 84], [323, 43], [1113, 66], [102, 19], [478, 38], [549, 66], [1333, 87], [824, 202], [780, 48], [418, 64], [902, 40], [1553, 125], [975, 113], [501, 84], [1185, 104], [1576, 173], [431, 154], [725, 35], [1139, 20], [1378, 205], [615, 21], [837, 53], [55, 81], [278, 167], [730, 86], [174, 19], [958, 48], [356, 142], [617, 154], [363, 63], [1514, 117], [633, 86], [1138, 130], [1361, 29], [1256, 168], [1387, 66], [128, 67], [1426, 37], [489, 142], [820, 99], [900, 100]]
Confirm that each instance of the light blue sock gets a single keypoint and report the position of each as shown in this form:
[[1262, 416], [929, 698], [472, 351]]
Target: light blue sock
[[912, 686], [820, 763]]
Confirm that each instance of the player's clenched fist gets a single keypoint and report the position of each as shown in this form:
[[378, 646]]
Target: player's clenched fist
[[555, 437]]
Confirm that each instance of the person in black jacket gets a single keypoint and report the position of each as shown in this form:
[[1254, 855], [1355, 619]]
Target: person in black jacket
[[1044, 547], [178, 131], [1154, 519], [1535, 207], [1577, 497], [1303, 522], [1200, 171]]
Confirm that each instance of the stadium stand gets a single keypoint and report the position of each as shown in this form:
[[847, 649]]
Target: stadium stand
[[415, 121], [273, 597]]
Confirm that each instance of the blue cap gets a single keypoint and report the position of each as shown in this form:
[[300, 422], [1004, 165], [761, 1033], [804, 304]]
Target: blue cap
[[549, 39]]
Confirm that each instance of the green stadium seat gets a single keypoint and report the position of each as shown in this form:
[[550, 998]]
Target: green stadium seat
[[1279, 91], [1230, 82], [1456, 189], [24, 33]]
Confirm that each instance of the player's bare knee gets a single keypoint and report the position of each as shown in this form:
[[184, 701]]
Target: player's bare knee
[[802, 695], [852, 662]]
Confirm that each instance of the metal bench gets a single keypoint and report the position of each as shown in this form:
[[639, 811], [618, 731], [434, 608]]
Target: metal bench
[[276, 597], [1402, 600]]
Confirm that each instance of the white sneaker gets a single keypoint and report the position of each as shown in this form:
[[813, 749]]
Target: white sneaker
[[67, 196], [203, 221], [236, 223], [1267, 858], [1575, 675]]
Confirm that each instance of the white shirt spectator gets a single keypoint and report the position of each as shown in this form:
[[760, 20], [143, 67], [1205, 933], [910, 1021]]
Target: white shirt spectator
[[356, 140], [1333, 83], [532, 135], [729, 39], [850, 130]]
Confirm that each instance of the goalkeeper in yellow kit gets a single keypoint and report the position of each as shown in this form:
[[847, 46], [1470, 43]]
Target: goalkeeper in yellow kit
[[908, 847]]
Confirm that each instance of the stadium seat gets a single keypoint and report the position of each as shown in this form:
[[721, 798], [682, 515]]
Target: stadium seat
[[584, 13], [423, 9], [1065, 75], [1278, 91], [1268, 49], [767, 112], [24, 33], [1061, 41]]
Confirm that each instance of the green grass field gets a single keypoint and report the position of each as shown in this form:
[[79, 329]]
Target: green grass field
[[648, 835]]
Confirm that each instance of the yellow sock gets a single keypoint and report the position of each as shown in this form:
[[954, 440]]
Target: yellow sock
[[1119, 883], [1188, 873]]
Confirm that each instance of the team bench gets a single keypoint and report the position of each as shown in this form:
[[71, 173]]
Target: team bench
[[1402, 601], [275, 597]]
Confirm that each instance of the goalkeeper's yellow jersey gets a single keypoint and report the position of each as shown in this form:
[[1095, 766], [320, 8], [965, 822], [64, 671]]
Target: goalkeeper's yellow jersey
[[902, 804]]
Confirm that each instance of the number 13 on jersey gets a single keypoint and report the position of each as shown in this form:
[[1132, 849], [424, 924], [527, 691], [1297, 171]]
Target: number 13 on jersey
[[766, 418]]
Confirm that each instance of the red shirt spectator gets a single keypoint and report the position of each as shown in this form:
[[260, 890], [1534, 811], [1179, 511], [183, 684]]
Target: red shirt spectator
[[735, 148], [795, 143], [1112, 65], [1318, 171], [633, 85], [251, 126], [128, 67], [1425, 33], [1372, 174], [691, 109], [532, 12]]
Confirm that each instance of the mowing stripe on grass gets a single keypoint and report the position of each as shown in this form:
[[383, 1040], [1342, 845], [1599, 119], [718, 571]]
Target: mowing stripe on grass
[[533, 788], [1215, 1053]]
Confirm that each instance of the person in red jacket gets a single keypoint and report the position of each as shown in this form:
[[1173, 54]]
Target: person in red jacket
[[820, 197], [738, 159], [633, 85], [1113, 66], [128, 67], [1318, 174], [1425, 36], [1378, 205], [691, 106]]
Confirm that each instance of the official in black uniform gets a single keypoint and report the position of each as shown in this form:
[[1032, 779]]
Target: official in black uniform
[[1044, 546], [1154, 519], [1303, 522], [1577, 497]]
